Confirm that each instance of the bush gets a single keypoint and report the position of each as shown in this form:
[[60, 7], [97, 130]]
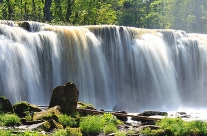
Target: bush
[[60, 132], [68, 132], [5, 133], [110, 128], [9, 120], [66, 120], [73, 131], [92, 125], [121, 133], [109, 118]]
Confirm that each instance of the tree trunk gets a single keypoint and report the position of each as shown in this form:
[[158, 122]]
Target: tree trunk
[[69, 10], [47, 14]]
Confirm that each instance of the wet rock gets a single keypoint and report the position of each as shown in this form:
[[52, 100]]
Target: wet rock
[[66, 97], [152, 113], [122, 118], [182, 115], [5, 105]]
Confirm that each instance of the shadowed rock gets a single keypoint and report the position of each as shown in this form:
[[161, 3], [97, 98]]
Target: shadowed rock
[[5, 105], [66, 97]]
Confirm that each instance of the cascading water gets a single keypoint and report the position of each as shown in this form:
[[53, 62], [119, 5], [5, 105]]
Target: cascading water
[[111, 65]]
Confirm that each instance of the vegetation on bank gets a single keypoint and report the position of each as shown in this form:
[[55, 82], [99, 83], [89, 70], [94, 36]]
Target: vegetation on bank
[[53, 122], [178, 127], [188, 15], [107, 124]]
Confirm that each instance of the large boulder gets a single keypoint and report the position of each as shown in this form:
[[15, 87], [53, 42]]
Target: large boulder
[[5, 105], [66, 97]]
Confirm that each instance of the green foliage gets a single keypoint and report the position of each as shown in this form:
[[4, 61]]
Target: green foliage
[[66, 120], [121, 133], [110, 128], [67, 132], [73, 131], [111, 119], [188, 15], [60, 132], [5, 132], [9, 119], [148, 132], [92, 125], [29, 133], [178, 127]]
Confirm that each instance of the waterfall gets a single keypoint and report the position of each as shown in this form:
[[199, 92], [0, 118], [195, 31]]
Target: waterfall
[[137, 69]]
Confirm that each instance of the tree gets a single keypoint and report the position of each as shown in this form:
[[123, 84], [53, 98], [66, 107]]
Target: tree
[[46, 10]]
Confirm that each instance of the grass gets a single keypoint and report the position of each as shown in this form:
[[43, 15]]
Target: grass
[[68, 132], [5, 133], [66, 120], [9, 120], [178, 127], [110, 128], [93, 125]]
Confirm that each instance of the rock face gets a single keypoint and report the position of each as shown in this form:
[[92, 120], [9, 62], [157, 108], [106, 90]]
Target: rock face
[[5, 105], [66, 97]]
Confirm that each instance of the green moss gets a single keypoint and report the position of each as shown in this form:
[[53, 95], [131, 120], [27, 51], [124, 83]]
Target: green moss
[[73, 131], [85, 105], [51, 113]]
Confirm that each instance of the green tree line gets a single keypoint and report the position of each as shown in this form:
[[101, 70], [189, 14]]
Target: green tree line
[[188, 15]]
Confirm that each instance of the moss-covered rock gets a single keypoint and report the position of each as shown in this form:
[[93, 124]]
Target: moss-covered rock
[[21, 107], [5, 105], [85, 106], [48, 126], [51, 113]]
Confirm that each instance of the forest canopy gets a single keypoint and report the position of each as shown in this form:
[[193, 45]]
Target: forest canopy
[[188, 15]]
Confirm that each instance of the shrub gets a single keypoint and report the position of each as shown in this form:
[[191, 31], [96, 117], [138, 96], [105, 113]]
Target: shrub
[[73, 131], [66, 120], [110, 128], [109, 118], [95, 124], [68, 132], [121, 133], [92, 125], [9, 119], [5, 133], [60, 132]]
